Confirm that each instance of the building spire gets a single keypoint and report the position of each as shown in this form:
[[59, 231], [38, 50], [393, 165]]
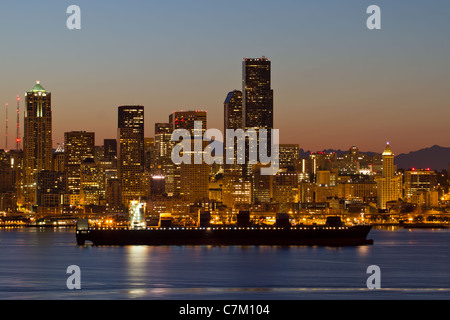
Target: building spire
[[388, 151]]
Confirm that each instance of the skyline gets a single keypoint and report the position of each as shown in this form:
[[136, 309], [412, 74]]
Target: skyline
[[332, 78]]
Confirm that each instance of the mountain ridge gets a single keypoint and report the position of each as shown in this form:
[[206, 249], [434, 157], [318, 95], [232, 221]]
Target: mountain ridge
[[435, 157]]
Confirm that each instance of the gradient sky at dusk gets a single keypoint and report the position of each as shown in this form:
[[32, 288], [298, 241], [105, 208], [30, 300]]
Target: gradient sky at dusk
[[336, 83]]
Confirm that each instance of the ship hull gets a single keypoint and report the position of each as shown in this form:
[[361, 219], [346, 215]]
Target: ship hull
[[256, 236]]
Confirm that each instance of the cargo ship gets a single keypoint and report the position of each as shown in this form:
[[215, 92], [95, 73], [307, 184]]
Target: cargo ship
[[333, 233]]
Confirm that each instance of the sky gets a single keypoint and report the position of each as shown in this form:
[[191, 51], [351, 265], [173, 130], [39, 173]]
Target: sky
[[336, 83]]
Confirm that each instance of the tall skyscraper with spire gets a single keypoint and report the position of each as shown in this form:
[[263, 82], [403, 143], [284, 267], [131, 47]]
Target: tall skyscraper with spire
[[37, 139], [388, 185]]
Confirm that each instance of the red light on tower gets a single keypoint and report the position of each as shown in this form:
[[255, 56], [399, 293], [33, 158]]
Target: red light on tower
[[413, 169]]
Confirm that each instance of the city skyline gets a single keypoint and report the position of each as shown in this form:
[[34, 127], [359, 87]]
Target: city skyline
[[326, 92]]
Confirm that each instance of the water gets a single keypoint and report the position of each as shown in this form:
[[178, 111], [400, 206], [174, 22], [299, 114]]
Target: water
[[414, 264]]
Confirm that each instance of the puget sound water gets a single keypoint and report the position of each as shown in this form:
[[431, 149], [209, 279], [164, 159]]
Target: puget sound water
[[414, 264]]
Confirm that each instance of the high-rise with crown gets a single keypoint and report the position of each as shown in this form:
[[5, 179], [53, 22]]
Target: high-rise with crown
[[37, 139], [131, 159], [389, 185]]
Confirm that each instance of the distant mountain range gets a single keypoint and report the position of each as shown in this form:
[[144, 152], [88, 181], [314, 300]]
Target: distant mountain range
[[435, 157]]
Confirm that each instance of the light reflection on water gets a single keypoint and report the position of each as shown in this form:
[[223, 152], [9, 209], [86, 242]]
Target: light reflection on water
[[414, 265]]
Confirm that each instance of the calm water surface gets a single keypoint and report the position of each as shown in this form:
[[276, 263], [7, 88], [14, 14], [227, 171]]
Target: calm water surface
[[415, 264]]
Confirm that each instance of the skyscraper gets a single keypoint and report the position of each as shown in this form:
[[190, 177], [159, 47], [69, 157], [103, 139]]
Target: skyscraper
[[131, 159], [232, 109], [110, 149], [186, 120], [37, 139], [257, 94], [163, 149], [257, 102], [78, 146], [388, 185], [191, 180]]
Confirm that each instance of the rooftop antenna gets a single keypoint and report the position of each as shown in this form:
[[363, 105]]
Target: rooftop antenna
[[6, 133], [18, 125]]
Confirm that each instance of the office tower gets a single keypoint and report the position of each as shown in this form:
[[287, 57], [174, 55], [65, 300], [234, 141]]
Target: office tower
[[113, 195], [157, 186], [236, 192], [8, 182], [186, 120], [257, 103], [286, 191], [232, 109], [58, 161], [51, 186], [131, 159], [92, 183], [419, 180], [164, 166], [149, 154], [110, 149], [194, 182], [389, 185], [323, 177], [261, 186], [191, 181], [257, 95], [78, 145], [37, 139], [289, 155], [364, 191]]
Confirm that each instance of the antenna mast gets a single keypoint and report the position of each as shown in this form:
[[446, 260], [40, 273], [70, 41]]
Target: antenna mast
[[18, 125], [6, 133]]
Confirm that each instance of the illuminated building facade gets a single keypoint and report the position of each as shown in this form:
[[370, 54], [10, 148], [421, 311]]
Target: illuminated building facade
[[78, 146], [257, 94], [92, 183], [110, 149], [186, 120], [37, 139], [131, 159], [164, 166], [191, 181], [257, 101], [389, 185], [51, 187], [232, 111], [419, 180]]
